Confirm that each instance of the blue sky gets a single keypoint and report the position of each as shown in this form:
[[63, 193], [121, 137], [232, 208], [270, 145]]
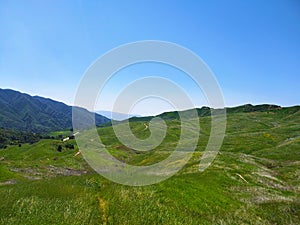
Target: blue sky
[[252, 47]]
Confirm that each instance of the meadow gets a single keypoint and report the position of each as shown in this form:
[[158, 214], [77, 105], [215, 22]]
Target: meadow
[[255, 178]]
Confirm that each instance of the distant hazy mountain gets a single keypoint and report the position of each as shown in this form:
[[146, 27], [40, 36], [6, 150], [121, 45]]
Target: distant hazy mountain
[[116, 115], [33, 113]]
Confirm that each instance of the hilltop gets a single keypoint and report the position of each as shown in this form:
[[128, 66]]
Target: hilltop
[[206, 111]]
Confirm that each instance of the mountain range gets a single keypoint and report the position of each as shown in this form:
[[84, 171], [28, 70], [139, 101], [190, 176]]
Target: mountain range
[[23, 112], [116, 115]]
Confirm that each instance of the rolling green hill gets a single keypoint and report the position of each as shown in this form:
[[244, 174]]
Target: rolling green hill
[[255, 179], [36, 114]]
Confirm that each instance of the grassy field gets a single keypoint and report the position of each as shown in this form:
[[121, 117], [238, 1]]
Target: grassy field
[[255, 179]]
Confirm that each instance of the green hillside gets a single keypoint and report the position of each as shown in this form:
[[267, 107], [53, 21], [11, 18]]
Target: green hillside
[[253, 180], [14, 137], [23, 112]]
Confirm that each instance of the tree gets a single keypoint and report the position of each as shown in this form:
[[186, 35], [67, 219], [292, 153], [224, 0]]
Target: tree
[[69, 146], [59, 148]]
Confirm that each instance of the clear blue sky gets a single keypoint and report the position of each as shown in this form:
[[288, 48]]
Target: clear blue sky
[[253, 47]]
